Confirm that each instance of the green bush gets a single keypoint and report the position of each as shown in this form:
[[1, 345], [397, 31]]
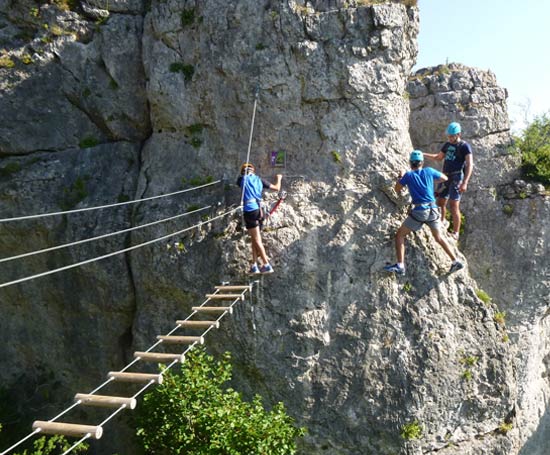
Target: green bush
[[75, 193], [9, 169], [192, 413], [187, 17], [185, 69], [534, 146], [6, 62], [483, 296], [51, 445], [411, 431], [195, 128], [88, 142]]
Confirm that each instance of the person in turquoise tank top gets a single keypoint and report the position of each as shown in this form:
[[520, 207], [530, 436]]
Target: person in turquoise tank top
[[420, 183], [252, 188]]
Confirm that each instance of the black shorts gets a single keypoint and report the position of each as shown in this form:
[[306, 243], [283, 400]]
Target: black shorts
[[253, 219]]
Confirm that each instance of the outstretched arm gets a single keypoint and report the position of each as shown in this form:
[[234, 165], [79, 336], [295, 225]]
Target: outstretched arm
[[277, 185], [435, 156], [469, 167]]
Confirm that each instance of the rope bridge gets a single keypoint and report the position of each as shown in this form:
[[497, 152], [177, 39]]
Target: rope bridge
[[210, 312]]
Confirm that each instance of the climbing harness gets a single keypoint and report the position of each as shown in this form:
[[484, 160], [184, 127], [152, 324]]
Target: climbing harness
[[434, 212]]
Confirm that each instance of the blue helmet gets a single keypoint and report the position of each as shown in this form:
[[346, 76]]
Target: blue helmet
[[416, 155], [454, 128]]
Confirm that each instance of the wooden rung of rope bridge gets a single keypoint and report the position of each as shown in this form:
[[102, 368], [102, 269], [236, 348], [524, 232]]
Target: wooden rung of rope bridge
[[247, 287], [135, 377], [199, 324], [159, 357], [213, 309], [180, 339], [223, 292], [68, 429], [103, 401], [225, 296]]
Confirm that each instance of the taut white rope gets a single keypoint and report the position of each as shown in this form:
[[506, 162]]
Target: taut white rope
[[103, 236], [249, 143], [88, 261], [117, 204], [76, 444]]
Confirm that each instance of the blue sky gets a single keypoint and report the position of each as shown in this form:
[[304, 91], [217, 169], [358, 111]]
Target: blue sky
[[508, 37]]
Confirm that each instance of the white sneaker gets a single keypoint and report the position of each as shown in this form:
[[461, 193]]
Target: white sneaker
[[454, 236]]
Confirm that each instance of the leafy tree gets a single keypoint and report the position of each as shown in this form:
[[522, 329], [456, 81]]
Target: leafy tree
[[534, 145], [192, 413]]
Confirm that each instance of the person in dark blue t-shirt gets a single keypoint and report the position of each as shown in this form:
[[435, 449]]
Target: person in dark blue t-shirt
[[458, 167], [253, 187], [420, 183]]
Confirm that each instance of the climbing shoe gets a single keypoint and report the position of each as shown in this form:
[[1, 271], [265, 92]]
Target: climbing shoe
[[395, 269], [254, 270], [456, 266], [266, 269]]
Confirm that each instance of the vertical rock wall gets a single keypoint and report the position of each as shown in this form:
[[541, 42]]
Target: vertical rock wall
[[157, 102], [353, 352], [73, 115], [506, 239]]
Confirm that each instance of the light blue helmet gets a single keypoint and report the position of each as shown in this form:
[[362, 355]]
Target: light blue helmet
[[416, 155], [454, 128]]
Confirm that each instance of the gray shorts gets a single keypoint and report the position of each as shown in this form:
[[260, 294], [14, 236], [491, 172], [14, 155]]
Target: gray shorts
[[417, 218]]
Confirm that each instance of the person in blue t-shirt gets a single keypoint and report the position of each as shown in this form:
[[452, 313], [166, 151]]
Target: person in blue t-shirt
[[253, 187], [420, 183], [458, 167]]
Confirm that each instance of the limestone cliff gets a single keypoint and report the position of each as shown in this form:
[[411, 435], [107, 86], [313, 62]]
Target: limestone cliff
[[142, 99], [506, 238]]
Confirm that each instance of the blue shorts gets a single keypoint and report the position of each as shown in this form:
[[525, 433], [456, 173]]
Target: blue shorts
[[449, 189], [253, 219]]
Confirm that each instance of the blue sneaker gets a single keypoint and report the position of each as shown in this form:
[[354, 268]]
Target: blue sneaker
[[395, 269], [254, 270], [266, 269], [456, 266]]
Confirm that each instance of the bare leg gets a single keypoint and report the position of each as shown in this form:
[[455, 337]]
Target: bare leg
[[258, 249], [442, 204], [455, 213], [439, 239], [402, 232]]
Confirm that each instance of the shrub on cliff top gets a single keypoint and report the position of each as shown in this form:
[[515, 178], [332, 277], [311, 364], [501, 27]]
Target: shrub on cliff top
[[534, 145]]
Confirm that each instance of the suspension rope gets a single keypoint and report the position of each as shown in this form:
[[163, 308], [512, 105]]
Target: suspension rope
[[125, 250], [139, 392], [103, 236], [21, 441], [250, 142], [117, 204], [76, 444]]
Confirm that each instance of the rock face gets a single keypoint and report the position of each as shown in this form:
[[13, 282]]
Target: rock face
[[161, 97], [506, 239]]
